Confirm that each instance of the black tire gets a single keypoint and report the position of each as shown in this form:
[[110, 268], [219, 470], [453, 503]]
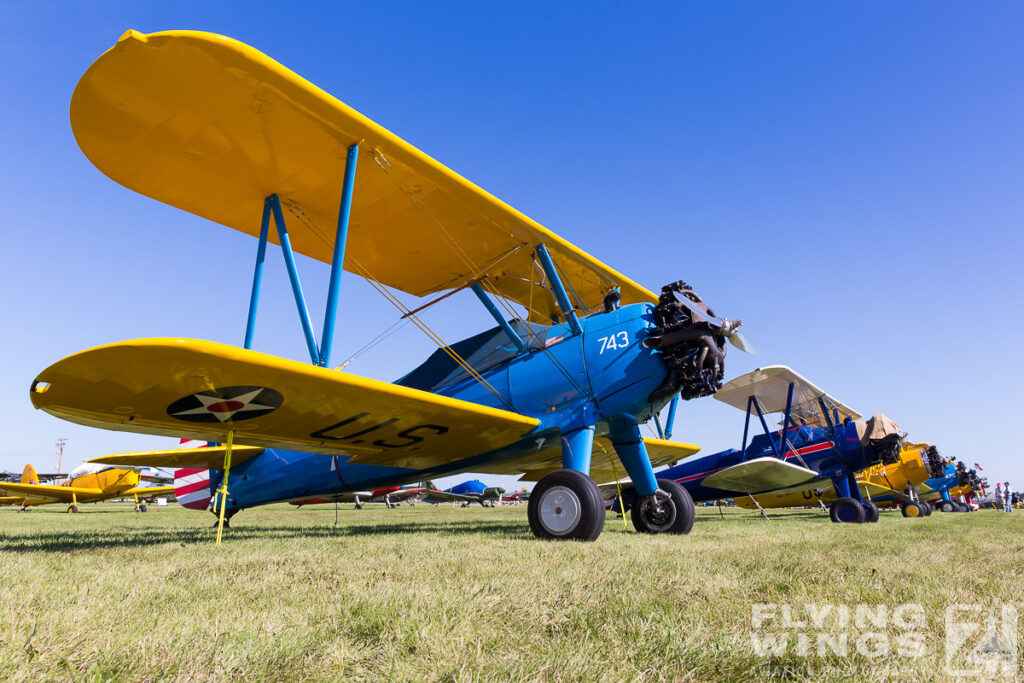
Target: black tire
[[566, 505], [870, 512], [142, 508], [947, 506], [911, 509], [673, 516], [359, 506], [72, 509], [962, 507], [846, 511], [926, 507]]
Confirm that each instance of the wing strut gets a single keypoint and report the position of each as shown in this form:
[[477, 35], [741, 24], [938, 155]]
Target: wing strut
[[272, 207]]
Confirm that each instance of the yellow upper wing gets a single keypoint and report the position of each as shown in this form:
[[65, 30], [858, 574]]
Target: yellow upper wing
[[56, 493], [212, 126], [202, 390]]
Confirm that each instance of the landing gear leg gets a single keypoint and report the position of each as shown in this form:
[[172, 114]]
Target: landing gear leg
[[661, 505], [73, 508], [359, 503]]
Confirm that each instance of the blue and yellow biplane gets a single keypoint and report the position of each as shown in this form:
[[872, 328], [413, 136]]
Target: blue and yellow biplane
[[580, 357]]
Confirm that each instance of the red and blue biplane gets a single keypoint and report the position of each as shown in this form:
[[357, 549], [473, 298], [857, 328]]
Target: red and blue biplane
[[821, 441]]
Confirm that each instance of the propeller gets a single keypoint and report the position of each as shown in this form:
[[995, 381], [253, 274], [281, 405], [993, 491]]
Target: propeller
[[728, 328]]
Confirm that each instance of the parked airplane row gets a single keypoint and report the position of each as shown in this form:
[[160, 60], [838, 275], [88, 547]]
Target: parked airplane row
[[580, 358]]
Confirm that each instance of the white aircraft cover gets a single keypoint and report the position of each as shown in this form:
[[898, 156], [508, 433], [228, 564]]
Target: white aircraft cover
[[771, 386]]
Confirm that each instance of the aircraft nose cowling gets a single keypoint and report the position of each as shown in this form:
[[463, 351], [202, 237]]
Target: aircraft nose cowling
[[693, 353]]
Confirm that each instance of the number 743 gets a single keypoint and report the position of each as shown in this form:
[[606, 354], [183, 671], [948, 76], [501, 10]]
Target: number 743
[[615, 341]]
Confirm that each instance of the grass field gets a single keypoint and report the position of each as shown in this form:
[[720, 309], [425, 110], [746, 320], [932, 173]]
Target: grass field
[[469, 594]]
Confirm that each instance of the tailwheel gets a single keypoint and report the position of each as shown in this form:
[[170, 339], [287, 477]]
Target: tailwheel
[[671, 515], [847, 511], [870, 512], [911, 509], [72, 509], [565, 505]]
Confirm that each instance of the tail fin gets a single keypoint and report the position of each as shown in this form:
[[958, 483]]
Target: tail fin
[[29, 476], [192, 488]]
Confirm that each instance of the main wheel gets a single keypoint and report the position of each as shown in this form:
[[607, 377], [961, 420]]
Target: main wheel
[[672, 516], [926, 507], [847, 511], [72, 509], [962, 507], [359, 506], [946, 506], [870, 512], [911, 509], [142, 508], [566, 504]]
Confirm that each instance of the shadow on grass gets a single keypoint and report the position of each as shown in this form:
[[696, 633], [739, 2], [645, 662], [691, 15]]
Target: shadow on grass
[[123, 537]]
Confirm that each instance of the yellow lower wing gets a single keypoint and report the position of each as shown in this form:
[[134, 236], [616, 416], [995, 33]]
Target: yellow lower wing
[[64, 494], [604, 465], [206, 458], [203, 390]]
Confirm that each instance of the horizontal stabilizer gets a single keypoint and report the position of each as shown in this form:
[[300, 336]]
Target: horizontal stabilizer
[[760, 475], [207, 458]]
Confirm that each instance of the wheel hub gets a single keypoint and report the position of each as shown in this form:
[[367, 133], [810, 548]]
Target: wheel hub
[[560, 510]]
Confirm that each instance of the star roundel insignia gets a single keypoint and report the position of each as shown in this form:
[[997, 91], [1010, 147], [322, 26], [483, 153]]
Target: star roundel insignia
[[226, 403]]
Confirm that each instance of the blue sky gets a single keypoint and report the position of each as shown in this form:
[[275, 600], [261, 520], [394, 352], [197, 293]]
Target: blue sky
[[845, 177]]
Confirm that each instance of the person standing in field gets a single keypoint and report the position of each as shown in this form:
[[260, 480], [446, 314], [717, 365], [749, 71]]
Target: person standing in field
[[1006, 496], [999, 496]]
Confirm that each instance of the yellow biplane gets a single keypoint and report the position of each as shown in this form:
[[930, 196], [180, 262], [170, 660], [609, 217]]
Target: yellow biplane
[[87, 483], [580, 358], [886, 485]]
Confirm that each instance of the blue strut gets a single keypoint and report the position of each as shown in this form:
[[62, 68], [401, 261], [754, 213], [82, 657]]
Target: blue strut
[[257, 275], [496, 314], [293, 275], [556, 285], [671, 416], [338, 260]]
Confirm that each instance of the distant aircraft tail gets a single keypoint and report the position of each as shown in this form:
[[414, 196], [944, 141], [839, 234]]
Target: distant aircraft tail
[[29, 476], [192, 488]]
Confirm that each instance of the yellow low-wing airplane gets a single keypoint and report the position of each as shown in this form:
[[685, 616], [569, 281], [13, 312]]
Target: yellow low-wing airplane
[[87, 483], [896, 483]]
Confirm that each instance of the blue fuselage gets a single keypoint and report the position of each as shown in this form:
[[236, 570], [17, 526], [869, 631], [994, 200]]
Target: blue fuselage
[[603, 372]]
